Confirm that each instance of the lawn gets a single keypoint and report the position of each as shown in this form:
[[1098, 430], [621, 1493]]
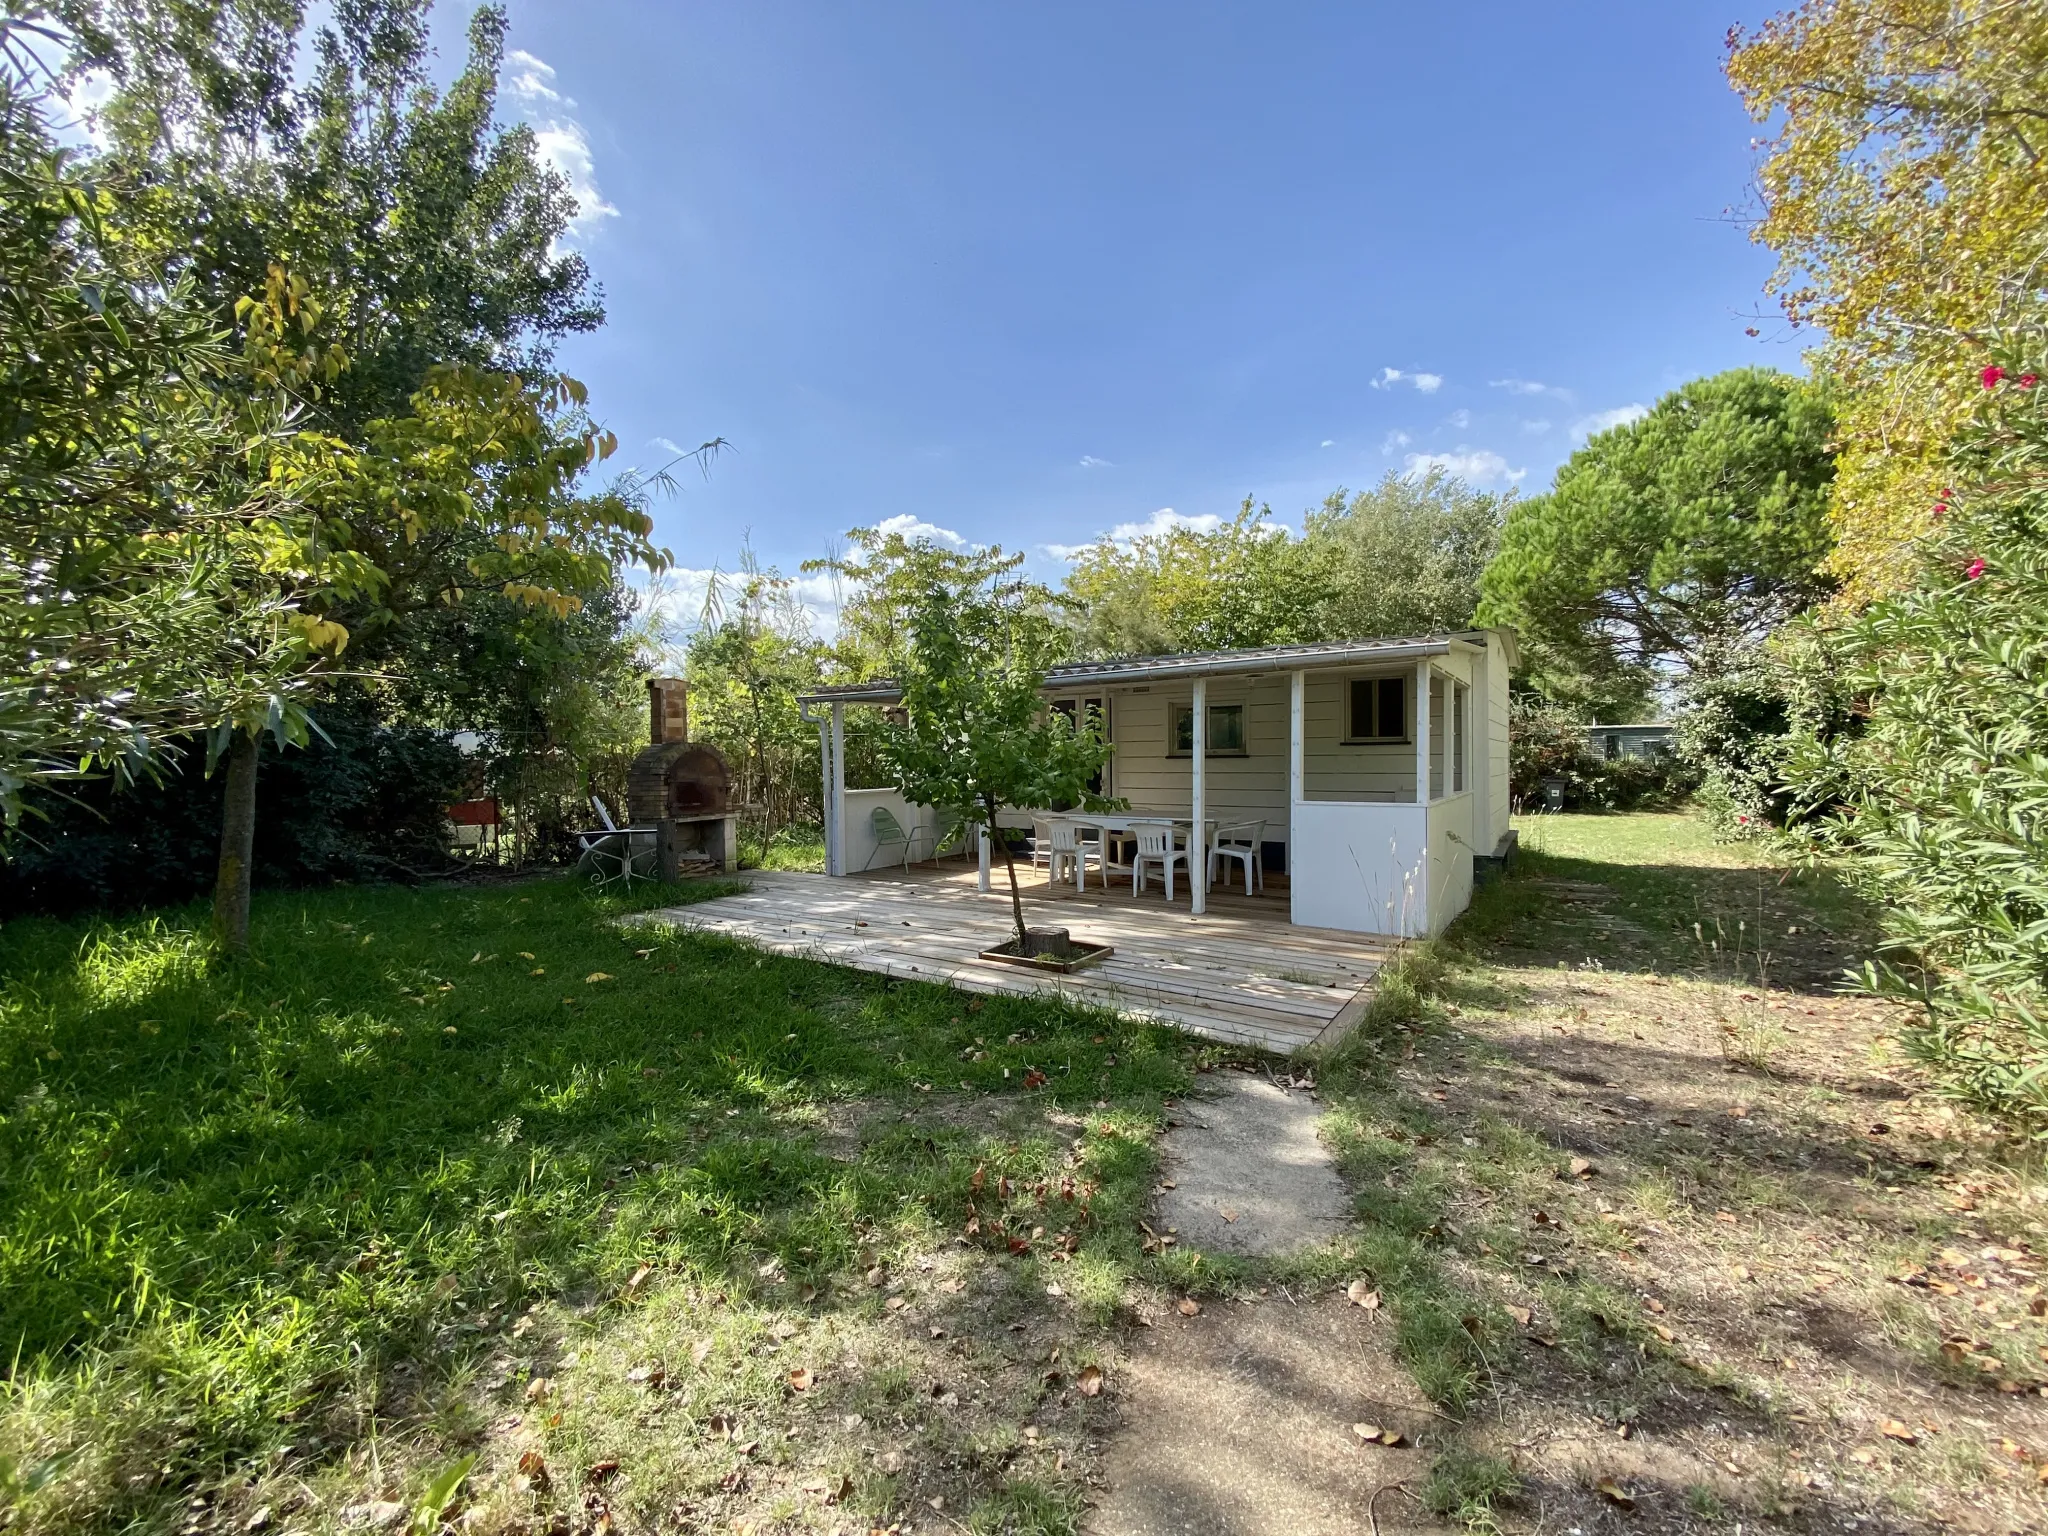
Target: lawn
[[496, 1203], [298, 1234], [1667, 1221]]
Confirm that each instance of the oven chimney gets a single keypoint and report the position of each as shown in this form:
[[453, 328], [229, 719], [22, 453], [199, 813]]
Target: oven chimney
[[668, 700]]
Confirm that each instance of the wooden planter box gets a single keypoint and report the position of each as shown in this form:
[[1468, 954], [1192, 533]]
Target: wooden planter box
[[1049, 949]]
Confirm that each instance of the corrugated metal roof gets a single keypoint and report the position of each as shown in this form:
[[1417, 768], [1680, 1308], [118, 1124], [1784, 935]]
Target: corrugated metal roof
[[1129, 669]]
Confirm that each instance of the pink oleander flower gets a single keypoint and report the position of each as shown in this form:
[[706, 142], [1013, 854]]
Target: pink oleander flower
[[2029, 380], [1991, 376], [1742, 821], [1974, 569], [1941, 509]]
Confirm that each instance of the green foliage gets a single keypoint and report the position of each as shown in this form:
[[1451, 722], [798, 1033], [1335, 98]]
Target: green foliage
[[1466, 1485], [1548, 741], [1745, 718], [975, 737], [364, 801], [137, 599], [1945, 788], [747, 663], [267, 1204], [436, 236], [1404, 558], [1669, 540]]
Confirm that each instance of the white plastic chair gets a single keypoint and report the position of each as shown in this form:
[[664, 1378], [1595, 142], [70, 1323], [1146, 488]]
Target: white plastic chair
[[1240, 842], [1156, 846], [1041, 844], [1070, 848]]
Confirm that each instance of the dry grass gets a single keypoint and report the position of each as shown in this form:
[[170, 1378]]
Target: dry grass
[[1766, 1277]]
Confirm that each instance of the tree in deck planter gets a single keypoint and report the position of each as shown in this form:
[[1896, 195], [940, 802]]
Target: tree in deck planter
[[975, 735]]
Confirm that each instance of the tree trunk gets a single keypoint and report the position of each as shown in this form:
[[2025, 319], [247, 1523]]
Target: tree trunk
[[237, 842], [1009, 864]]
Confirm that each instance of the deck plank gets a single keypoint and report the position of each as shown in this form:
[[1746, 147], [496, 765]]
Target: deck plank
[[1239, 974]]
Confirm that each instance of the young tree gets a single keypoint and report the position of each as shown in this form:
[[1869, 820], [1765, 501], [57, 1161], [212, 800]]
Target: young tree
[[147, 584], [1670, 540], [975, 735], [1901, 190]]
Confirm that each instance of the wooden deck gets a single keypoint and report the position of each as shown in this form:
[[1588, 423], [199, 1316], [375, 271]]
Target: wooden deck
[[1240, 973]]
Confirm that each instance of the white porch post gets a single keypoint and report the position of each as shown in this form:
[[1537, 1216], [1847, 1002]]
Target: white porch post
[[835, 852], [1422, 733], [1297, 749], [1198, 834], [1297, 773], [825, 791], [984, 852]]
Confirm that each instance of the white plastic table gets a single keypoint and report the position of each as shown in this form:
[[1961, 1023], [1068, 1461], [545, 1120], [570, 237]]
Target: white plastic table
[[1125, 821]]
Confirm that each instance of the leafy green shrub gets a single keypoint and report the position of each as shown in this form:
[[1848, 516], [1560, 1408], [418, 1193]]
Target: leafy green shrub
[[367, 804], [1744, 719], [1548, 741], [1945, 790]]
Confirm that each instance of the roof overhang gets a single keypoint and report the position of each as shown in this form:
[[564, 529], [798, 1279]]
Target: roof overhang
[[1148, 669]]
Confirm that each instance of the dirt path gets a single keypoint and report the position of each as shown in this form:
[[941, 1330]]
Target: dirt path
[[1239, 1424]]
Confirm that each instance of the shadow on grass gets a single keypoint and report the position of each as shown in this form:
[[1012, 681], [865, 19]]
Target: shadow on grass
[[409, 1112]]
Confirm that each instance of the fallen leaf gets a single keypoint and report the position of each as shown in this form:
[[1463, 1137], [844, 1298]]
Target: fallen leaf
[[639, 1278], [1370, 1433], [700, 1352], [596, 976], [1582, 1168], [1088, 1381], [1363, 1295], [533, 1472], [1230, 1215], [800, 1379], [889, 1463], [1521, 1315], [526, 954], [1617, 1495], [1189, 1307], [598, 1471], [719, 1427], [538, 1388], [1652, 1304], [1894, 1429]]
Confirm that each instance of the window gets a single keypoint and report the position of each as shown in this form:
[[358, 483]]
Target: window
[[1460, 696], [1379, 709], [1225, 736]]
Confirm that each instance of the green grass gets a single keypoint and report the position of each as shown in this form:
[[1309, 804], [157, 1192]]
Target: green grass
[[295, 1198]]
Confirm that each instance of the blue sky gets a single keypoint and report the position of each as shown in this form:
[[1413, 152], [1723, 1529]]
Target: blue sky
[[1033, 274]]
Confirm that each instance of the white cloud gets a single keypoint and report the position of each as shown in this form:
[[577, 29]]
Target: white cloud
[[1461, 418], [666, 445], [1534, 427], [1529, 387], [1478, 466], [1329, 442], [1165, 520], [1601, 421], [558, 136], [1089, 461], [83, 102], [1427, 383], [1395, 439], [914, 528]]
